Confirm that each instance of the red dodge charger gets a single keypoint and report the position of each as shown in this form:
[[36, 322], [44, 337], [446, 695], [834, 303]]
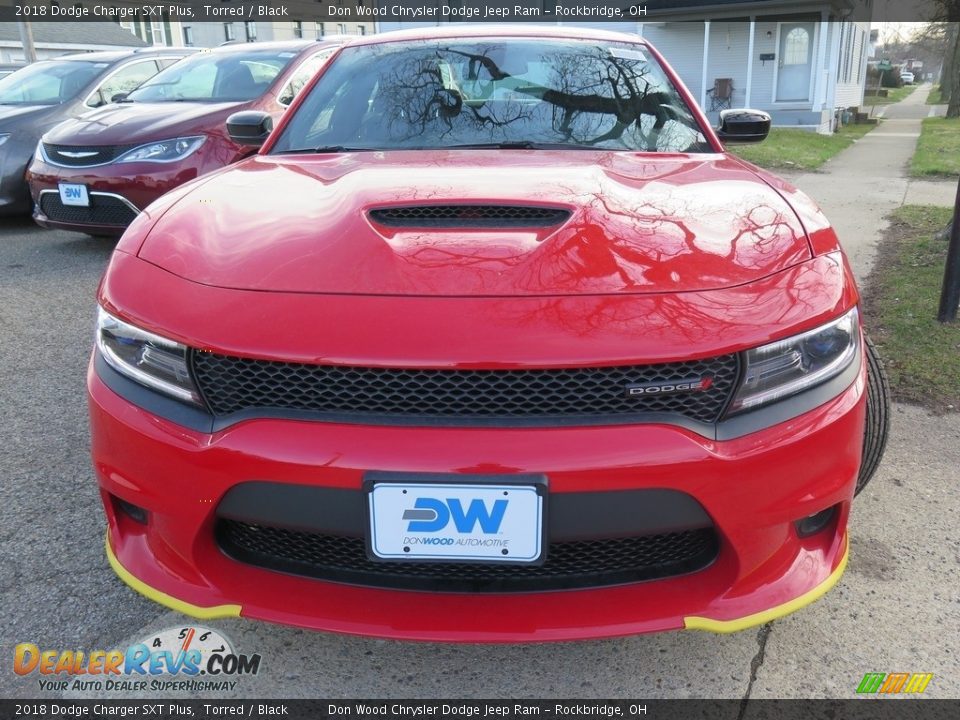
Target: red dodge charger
[[491, 341]]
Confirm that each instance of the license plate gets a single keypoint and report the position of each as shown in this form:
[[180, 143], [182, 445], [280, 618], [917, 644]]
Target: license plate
[[438, 521], [74, 194]]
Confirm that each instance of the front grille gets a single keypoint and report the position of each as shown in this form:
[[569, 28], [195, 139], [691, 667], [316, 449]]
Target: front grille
[[466, 216], [232, 384], [103, 210], [84, 155], [582, 564]]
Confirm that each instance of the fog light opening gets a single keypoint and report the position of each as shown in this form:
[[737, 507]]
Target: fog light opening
[[812, 524], [134, 512]]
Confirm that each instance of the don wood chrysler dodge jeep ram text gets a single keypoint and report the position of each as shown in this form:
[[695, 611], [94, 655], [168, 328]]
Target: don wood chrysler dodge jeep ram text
[[491, 341]]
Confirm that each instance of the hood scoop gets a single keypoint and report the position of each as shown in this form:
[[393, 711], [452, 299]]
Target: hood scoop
[[469, 216]]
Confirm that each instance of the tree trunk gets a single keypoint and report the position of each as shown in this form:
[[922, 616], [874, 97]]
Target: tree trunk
[[952, 73]]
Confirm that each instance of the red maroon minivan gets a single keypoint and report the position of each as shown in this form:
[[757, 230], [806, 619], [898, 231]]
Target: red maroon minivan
[[95, 173], [491, 341]]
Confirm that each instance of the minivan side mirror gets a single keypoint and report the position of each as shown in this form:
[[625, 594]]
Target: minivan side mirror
[[743, 126], [249, 127], [119, 97]]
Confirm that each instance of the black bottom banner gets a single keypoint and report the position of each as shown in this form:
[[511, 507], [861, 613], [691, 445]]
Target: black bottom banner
[[854, 709]]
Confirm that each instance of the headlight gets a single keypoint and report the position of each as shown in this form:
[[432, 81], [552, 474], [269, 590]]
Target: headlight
[[163, 151], [4, 137], [146, 358], [789, 366]]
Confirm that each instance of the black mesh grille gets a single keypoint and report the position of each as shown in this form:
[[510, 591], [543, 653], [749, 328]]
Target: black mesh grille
[[491, 216], [102, 211], [84, 155], [232, 384], [593, 563]]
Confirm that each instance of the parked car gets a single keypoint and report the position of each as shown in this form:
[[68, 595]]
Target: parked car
[[491, 341], [37, 97], [95, 173], [906, 77]]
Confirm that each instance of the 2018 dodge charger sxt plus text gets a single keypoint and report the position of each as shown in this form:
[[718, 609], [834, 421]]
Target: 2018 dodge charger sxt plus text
[[491, 341]]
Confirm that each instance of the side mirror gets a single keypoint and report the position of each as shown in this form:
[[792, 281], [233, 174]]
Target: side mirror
[[249, 127], [119, 97], [743, 126]]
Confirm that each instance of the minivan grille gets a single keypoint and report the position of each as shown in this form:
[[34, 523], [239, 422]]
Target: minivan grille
[[83, 155]]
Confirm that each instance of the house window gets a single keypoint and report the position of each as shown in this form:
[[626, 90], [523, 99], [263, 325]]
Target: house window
[[796, 47], [341, 29], [251, 30], [188, 36], [361, 30], [228, 32], [298, 29], [321, 29]]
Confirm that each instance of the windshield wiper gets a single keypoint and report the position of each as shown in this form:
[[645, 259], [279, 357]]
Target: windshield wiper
[[517, 145], [323, 149]]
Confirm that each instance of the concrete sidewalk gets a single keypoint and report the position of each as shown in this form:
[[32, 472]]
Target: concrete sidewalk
[[859, 187]]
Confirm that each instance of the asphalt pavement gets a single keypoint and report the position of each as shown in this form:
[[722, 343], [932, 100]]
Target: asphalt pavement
[[896, 609]]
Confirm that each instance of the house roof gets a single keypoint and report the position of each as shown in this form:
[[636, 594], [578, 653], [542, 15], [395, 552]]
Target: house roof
[[74, 33], [707, 8]]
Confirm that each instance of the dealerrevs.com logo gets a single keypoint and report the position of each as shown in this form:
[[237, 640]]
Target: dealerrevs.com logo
[[174, 659]]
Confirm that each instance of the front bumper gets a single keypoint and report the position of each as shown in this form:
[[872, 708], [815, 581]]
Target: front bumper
[[118, 192], [754, 488]]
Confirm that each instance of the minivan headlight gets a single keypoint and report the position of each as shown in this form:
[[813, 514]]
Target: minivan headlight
[[163, 151], [789, 366], [146, 358]]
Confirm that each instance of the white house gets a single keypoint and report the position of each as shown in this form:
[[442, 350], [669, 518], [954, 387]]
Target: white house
[[800, 62]]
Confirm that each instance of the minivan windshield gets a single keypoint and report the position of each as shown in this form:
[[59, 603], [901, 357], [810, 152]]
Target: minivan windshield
[[49, 82], [492, 93], [215, 77]]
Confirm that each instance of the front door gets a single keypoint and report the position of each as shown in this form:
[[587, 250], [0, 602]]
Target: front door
[[796, 61]]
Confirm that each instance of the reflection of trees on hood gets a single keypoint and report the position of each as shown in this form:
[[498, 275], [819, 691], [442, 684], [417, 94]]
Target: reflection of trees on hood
[[592, 96]]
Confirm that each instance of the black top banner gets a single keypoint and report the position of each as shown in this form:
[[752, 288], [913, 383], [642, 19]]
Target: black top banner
[[446, 11], [874, 709]]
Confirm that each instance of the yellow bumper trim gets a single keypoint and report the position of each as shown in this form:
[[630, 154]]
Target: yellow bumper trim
[[203, 613], [765, 616]]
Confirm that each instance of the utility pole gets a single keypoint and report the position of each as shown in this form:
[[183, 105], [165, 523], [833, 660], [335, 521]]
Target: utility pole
[[26, 37], [950, 292]]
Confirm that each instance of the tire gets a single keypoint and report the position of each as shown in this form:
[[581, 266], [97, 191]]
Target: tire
[[878, 417]]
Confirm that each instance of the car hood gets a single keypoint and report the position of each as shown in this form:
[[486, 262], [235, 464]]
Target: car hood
[[15, 116], [130, 123], [637, 224]]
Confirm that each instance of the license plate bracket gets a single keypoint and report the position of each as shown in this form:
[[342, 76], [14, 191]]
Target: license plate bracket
[[453, 518], [74, 194]]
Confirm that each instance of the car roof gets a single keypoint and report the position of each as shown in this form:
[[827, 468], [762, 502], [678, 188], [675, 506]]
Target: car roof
[[295, 45], [111, 56], [474, 30]]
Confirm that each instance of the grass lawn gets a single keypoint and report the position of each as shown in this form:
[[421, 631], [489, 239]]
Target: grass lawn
[[938, 150], [799, 149], [893, 95], [902, 294], [934, 97]]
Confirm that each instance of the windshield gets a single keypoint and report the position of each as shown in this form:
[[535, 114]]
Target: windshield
[[215, 77], [493, 93], [48, 82]]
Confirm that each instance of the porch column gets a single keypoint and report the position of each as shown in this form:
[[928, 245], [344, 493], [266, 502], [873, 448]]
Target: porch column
[[753, 27], [706, 56], [821, 79]]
